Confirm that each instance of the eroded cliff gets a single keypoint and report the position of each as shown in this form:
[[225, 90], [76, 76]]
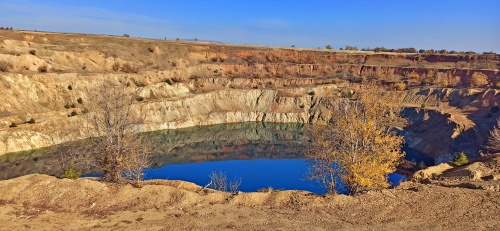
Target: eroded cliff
[[47, 76]]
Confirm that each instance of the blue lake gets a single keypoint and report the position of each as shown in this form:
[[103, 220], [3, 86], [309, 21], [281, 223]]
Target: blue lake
[[262, 155], [255, 174]]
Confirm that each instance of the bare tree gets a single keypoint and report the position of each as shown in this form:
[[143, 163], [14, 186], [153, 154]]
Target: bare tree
[[357, 146], [493, 144], [119, 151]]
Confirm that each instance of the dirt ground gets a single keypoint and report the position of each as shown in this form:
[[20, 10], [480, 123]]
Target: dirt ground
[[40, 202]]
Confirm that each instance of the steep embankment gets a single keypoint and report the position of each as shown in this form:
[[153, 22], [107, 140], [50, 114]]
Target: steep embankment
[[449, 121], [47, 76]]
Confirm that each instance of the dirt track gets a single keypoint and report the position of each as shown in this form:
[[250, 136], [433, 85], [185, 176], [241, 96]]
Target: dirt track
[[40, 202]]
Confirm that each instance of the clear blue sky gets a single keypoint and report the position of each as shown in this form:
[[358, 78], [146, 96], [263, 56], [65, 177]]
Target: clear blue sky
[[423, 24]]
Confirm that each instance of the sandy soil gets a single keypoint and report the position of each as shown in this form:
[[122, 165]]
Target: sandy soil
[[40, 202]]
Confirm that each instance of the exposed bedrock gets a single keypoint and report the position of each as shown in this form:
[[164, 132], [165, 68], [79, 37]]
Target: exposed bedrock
[[48, 76]]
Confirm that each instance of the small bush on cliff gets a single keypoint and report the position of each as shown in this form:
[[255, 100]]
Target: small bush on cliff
[[5, 66], [33, 52], [400, 86], [478, 79], [13, 125], [43, 69], [329, 47], [31, 121], [129, 68], [116, 66], [493, 144], [460, 159], [71, 172], [79, 100]]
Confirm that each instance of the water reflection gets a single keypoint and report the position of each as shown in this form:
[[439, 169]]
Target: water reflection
[[241, 141]]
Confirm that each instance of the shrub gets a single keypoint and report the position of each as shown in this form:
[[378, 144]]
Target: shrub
[[218, 181], [168, 81], [329, 47], [150, 49], [73, 113], [33, 52], [460, 159], [85, 111], [71, 173], [13, 125], [478, 79], [70, 87], [128, 68], [139, 98], [80, 100], [214, 59], [5, 66], [347, 94], [116, 66], [43, 68], [31, 121], [311, 93], [400, 86], [72, 105], [67, 106]]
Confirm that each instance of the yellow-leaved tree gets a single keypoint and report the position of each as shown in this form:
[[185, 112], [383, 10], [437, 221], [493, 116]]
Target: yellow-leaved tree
[[358, 145], [478, 79]]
